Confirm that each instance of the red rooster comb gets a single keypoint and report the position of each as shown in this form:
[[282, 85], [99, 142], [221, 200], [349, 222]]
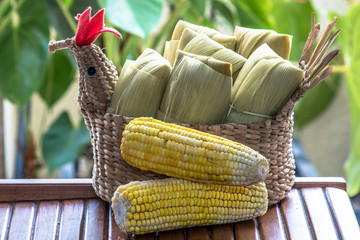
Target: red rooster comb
[[89, 29]]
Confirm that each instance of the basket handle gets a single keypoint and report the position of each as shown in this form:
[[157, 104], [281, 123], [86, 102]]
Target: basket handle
[[314, 64]]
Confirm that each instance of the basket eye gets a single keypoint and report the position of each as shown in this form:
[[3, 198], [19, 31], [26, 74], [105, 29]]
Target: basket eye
[[91, 71]]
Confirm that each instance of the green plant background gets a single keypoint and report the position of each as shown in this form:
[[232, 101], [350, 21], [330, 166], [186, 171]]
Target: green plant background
[[26, 67]]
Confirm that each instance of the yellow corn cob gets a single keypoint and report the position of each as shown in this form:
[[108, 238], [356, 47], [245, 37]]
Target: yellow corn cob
[[181, 152], [158, 205]]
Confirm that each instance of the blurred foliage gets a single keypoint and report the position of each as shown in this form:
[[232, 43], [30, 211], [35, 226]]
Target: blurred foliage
[[28, 68], [63, 141], [349, 43]]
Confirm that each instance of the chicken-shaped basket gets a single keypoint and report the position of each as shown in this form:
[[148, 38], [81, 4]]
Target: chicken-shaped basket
[[98, 76]]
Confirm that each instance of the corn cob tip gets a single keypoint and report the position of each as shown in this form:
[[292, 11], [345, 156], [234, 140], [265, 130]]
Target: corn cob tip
[[263, 169], [120, 207]]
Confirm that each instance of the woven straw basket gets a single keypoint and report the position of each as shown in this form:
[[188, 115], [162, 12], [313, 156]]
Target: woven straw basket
[[272, 138]]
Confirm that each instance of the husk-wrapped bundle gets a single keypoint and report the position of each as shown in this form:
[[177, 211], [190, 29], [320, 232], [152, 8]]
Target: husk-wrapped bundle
[[267, 83], [141, 86], [263, 52], [248, 40], [198, 91], [170, 51], [200, 44], [225, 40], [186, 36]]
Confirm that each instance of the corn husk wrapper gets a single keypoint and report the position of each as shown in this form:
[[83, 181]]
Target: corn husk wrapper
[[200, 44], [141, 86], [265, 88], [225, 40], [198, 91], [248, 40], [186, 36], [170, 51], [263, 52]]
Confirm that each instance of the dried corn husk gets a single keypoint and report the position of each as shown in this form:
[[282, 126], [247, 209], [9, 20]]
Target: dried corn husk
[[200, 44], [267, 84], [170, 51], [198, 91], [186, 36], [153, 63], [225, 40], [248, 40], [141, 86], [263, 52]]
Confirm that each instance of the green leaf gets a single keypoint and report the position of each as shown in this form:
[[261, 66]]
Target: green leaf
[[224, 10], [293, 18], [24, 36], [352, 165], [59, 21], [137, 17], [4, 7], [79, 6], [63, 143], [59, 75], [316, 101], [199, 6], [351, 48], [254, 13]]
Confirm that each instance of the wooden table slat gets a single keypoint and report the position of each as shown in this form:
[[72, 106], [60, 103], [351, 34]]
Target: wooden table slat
[[198, 233], [46, 220], [317, 208], [96, 220], [22, 220], [344, 216], [320, 182], [149, 236], [71, 220], [295, 220], [5, 214], [177, 234], [114, 231], [318, 212], [246, 230], [219, 232], [45, 189], [61, 189], [270, 225]]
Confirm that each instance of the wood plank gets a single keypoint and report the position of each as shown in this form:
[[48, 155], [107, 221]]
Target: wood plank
[[224, 231], [45, 189], [177, 234], [22, 220], [270, 225], [46, 220], [5, 215], [246, 230], [198, 233], [295, 221], [114, 231], [320, 182], [149, 236], [71, 220], [318, 213], [96, 220], [61, 189], [345, 219]]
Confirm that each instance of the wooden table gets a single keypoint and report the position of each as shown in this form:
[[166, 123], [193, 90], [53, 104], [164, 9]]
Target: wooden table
[[316, 208]]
